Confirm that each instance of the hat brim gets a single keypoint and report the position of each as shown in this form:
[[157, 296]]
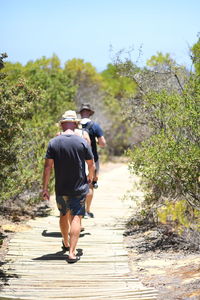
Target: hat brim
[[70, 120], [91, 111]]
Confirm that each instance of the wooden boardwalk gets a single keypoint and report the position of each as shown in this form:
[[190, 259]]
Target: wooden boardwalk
[[38, 266]]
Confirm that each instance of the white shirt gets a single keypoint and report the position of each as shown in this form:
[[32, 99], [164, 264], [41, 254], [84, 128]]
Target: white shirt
[[85, 121]]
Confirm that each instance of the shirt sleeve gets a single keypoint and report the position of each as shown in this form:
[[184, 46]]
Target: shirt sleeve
[[88, 152], [50, 152], [98, 131]]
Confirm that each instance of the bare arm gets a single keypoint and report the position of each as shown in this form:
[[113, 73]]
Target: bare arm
[[87, 137], [46, 176], [101, 141], [91, 169], [83, 134]]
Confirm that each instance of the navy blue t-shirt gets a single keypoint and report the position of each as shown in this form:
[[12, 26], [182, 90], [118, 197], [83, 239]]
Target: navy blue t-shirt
[[69, 153], [94, 131]]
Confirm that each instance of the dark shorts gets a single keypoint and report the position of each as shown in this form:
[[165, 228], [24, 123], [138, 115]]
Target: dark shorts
[[76, 205]]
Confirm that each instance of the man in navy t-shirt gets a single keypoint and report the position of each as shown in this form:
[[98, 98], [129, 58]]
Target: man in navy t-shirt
[[96, 137], [68, 153]]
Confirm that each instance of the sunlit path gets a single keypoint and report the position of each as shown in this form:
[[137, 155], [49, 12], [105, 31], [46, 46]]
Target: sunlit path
[[38, 266]]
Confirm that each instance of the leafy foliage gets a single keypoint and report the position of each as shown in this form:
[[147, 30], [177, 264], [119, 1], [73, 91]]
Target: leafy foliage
[[2, 56], [161, 62], [180, 213], [167, 106], [159, 104], [118, 89], [119, 86], [168, 160], [16, 108], [196, 56], [32, 99]]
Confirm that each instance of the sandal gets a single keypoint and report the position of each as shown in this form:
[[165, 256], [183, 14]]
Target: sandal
[[64, 247], [73, 260]]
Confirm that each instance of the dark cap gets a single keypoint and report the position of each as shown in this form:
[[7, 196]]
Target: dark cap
[[86, 106]]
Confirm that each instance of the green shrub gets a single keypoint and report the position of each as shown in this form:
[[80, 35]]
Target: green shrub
[[32, 99], [169, 160]]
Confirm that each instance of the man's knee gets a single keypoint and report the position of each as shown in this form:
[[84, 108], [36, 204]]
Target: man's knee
[[76, 219]]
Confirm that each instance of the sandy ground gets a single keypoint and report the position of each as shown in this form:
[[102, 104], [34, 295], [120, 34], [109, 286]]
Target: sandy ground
[[175, 274]]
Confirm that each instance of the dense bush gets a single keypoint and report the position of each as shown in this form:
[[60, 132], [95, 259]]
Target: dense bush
[[118, 90], [168, 161], [32, 99], [164, 144], [16, 109], [167, 157]]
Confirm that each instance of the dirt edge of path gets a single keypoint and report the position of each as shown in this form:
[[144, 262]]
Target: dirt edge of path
[[175, 273]]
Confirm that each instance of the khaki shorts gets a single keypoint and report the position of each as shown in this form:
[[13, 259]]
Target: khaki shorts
[[74, 204]]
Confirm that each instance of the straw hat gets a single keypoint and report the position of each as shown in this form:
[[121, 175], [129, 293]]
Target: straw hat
[[69, 116]]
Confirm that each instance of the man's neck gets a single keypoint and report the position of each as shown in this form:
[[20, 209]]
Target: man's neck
[[68, 131]]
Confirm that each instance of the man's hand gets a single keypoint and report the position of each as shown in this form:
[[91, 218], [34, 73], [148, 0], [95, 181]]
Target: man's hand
[[45, 195], [101, 141], [89, 179], [95, 178]]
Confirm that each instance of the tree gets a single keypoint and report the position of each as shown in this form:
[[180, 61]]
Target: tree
[[169, 159], [196, 56], [16, 108], [120, 87], [86, 79], [33, 97], [117, 90], [2, 56], [161, 62]]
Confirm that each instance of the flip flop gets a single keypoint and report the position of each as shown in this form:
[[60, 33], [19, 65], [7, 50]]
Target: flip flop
[[73, 260], [64, 247]]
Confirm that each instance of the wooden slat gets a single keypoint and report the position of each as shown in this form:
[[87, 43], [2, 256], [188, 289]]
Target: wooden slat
[[38, 267]]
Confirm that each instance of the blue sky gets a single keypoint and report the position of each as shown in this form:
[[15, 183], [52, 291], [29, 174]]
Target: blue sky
[[85, 29]]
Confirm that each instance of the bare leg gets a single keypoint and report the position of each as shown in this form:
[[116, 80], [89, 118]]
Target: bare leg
[[82, 228], [74, 234], [89, 198], [64, 228], [90, 195]]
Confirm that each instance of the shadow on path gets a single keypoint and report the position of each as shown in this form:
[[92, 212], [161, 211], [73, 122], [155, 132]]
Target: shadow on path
[[60, 255], [58, 234]]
